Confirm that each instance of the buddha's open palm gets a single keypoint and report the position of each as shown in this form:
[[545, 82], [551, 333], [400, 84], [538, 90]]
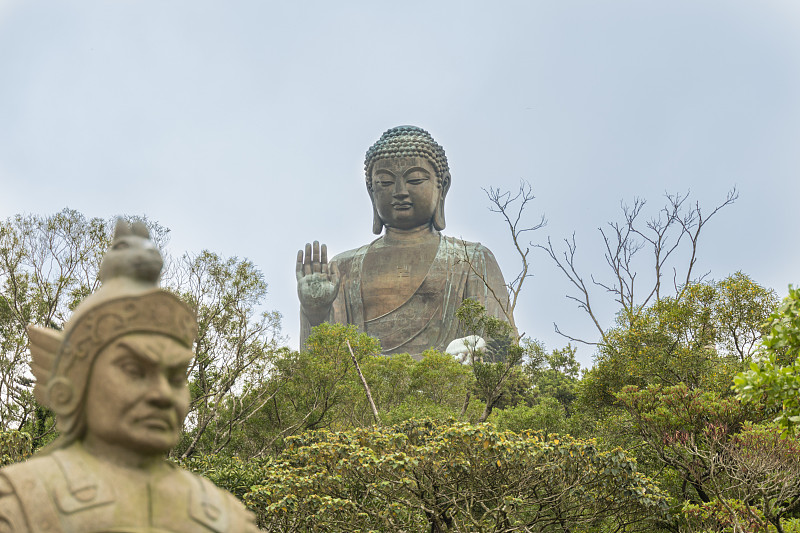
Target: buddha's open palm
[[317, 282]]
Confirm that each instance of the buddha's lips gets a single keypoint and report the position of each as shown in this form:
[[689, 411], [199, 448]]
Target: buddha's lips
[[401, 205]]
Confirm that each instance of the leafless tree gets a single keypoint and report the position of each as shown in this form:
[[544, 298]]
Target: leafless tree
[[679, 221], [511, 208]]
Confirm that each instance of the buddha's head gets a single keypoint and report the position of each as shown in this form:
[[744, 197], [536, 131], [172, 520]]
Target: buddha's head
[[407, 179], [117, 373]]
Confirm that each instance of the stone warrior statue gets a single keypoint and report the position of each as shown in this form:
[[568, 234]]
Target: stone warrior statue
[[116, 380], [403, 288]]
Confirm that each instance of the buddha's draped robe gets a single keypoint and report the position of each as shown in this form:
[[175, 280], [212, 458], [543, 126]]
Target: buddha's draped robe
[[428, 318]]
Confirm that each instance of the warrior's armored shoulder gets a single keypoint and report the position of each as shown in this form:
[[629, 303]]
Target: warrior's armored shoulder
[[26, 503]]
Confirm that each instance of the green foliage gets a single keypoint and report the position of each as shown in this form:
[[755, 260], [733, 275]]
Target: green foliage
[[433, 387], [763, 470], [441, 379], [494, 369], [325, 385], [46, 264], [701, 337], [769, 381], [41, 426], [329, 343], [739, 472], [319, 388], [230, 473], [554, 375], [682, 426], [547, 415], [724, 516], [316, 388], [15, 446], [324, 378], [391, 378], [474, 320], [233, 348], [661, 388], [740, 313], [421, 475]]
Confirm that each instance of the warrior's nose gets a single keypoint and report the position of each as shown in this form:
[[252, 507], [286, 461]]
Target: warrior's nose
[[160, 393]]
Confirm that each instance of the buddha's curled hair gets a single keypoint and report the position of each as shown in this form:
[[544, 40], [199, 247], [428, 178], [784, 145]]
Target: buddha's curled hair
[[407, 141]]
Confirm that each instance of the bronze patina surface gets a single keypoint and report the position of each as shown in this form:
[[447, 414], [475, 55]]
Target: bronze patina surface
[[116, 380], [404, 287]]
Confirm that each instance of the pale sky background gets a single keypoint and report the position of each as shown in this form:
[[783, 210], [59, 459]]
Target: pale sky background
[[242, 125]]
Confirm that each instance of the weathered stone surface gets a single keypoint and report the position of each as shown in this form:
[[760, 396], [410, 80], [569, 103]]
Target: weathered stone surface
[[404, 287]]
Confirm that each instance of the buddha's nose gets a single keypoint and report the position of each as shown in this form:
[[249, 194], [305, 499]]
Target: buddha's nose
[[400, 188]]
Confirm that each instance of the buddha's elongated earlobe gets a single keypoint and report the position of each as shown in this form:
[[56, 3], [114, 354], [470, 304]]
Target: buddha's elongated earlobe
[[377, 223], [438, 214]]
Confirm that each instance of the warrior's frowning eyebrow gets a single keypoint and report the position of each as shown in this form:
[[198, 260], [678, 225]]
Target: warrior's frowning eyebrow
[[154, 355]]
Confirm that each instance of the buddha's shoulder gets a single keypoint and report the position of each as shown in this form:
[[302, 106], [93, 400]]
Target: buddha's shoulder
[[344, 259], [470, 247]]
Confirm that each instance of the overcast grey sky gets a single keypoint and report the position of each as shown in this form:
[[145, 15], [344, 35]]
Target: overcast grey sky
[[242, 125]]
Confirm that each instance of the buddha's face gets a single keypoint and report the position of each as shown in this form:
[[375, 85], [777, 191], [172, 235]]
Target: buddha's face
[[138, 395], [404, 191]]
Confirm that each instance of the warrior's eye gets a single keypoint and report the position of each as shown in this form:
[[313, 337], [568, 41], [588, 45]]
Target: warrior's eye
[[132, 369], [178, 378], [120, 245]]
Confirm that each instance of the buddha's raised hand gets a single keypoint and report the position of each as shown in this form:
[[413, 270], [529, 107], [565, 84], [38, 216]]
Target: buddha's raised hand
[[317, 282]]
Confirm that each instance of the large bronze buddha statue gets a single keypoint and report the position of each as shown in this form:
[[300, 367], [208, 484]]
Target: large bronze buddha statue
[[404, 287]]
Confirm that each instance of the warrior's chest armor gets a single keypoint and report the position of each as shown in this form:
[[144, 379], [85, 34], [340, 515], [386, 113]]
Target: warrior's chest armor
[[69, 492]]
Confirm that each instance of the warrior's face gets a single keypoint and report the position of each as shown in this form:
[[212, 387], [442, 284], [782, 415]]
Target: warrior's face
[[405, 191], [137, 396]]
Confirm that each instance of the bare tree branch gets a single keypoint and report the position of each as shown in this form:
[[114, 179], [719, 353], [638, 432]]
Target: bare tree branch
[[661, 236], [364, 383], [511, 208]]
